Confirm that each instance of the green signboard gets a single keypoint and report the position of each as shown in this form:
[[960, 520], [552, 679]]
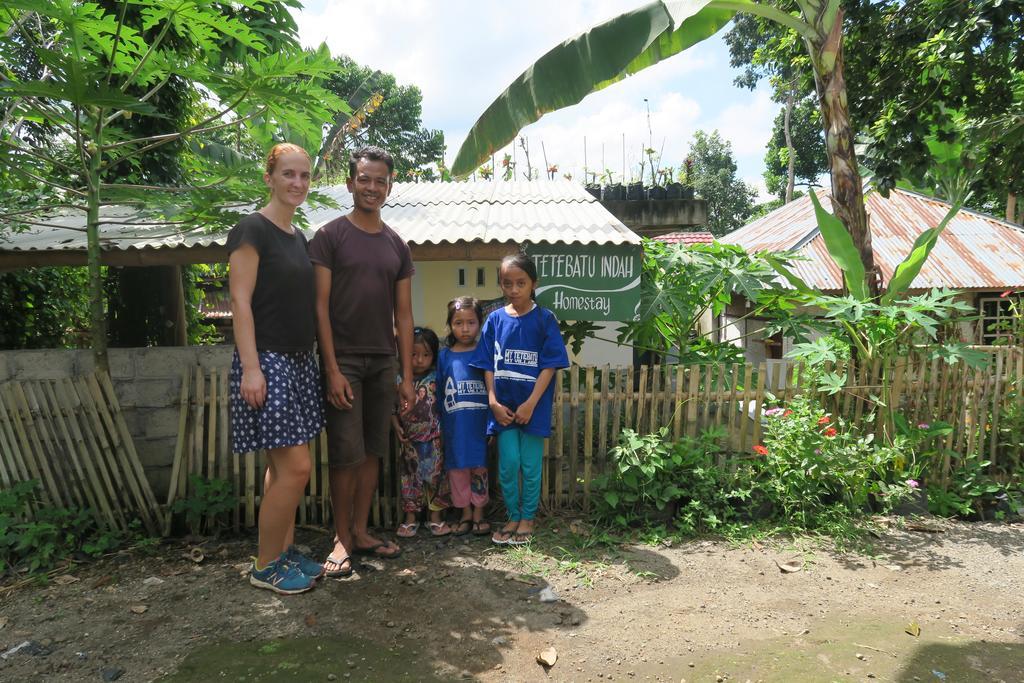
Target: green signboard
[[588, 281]]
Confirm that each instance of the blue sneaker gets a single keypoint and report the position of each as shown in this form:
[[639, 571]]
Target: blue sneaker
[[307, 566], [281, 576]]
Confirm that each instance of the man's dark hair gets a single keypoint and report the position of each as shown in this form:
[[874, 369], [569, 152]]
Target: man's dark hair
[[370, 153]]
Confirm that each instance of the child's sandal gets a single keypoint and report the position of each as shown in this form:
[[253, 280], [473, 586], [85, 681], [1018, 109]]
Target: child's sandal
[[463, 527], [481, 528]]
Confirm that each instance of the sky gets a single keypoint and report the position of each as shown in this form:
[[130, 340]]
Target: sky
[[463, 53]]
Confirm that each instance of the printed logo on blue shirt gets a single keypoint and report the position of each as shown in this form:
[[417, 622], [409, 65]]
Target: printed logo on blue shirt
[[514, 357], [469, 387]]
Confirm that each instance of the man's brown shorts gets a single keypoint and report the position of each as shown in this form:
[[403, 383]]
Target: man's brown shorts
[[364, 429]]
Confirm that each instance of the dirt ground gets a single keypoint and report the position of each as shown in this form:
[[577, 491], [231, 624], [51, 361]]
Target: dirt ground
[[941, 604]]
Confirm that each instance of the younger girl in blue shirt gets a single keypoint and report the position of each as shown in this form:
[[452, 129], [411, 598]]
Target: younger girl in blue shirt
[[520, 349], [464, 412]]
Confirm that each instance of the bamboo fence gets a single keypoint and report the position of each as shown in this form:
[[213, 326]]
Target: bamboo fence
[[70, 435], [593, 405]]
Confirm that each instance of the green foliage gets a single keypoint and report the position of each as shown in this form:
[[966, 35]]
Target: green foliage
[[680, 480], [206, 505], [914, 60], [808, 144], [813, 464], [38, 542], [396, 124], [576, 333], [679, 283], [43, 308], [730, 201], [98, 68], [972, 492]]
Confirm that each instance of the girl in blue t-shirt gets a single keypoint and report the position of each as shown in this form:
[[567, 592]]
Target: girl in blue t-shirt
[[464, 413], [520, 349]]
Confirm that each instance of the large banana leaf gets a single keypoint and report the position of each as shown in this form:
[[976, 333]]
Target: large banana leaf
[[594, 60], [842, 250], [908, 269]]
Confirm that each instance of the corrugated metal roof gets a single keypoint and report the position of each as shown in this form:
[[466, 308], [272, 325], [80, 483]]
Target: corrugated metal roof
[[686, 237], [975, 251], [556, 211]]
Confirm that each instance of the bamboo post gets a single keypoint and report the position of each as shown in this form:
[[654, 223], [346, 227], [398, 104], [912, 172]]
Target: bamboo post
[[588, 439], [8, 450], [641, 400], [655, 387], [748, 380], [692, 392], [224, 449], [758, 399], [574, 434], [997, 400], [630, 377], [179, 449], [211, 442], [621, 378], [606, 400], [559, 450], [195, 465], [680, 405]]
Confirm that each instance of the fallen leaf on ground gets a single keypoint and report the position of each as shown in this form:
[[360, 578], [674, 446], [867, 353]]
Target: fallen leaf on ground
[[913, 629], [102, 581], [547, 657], [65, 579], [139, 609], [3, 622], [311, 620], [789, 566]]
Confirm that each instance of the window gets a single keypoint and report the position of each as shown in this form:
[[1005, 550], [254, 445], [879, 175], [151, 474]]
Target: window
[[996, 319], [462, 277], [480, 277]]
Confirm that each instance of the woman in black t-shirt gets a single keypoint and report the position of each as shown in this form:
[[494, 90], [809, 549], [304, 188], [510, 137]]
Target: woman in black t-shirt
[[276, 403]]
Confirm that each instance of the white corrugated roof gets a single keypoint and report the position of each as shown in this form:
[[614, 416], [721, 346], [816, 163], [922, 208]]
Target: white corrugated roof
[[422, 213]]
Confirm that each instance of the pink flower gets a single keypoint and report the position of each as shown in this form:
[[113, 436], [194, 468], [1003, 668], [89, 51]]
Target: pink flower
[[923, 425], [912, 483], [772, 412]]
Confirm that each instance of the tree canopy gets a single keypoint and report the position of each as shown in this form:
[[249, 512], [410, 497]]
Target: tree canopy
[[712, 172], [395, 124]]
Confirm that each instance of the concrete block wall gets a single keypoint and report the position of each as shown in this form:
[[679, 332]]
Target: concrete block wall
[[148, 386]]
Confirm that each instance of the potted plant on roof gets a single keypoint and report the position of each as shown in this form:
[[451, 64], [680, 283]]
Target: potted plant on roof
[[590, 183], [612, 190]]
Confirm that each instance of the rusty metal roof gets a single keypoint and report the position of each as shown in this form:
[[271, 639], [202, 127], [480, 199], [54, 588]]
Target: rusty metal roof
[[686, 237], [556, 211], [975, 251]]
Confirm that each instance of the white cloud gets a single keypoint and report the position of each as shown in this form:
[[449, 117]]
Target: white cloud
[[748, 126]]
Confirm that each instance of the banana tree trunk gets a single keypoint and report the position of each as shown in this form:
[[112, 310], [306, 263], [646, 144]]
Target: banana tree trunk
[[826, 50], [1011, 206]]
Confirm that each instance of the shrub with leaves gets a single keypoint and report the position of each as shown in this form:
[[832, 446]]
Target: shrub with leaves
[[208, 502], [655, 477], [39, 541], [812, 463]]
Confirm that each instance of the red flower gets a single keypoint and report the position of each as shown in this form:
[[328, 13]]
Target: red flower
[[760, 450], [824, 420], [1006, 294], [830, 432], [787, 413]]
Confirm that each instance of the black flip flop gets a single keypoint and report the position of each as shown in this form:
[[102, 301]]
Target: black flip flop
[[459, 530], [338, 573]]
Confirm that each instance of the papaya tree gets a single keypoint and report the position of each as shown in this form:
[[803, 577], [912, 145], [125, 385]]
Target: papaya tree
[[96, 65], [635, 40]]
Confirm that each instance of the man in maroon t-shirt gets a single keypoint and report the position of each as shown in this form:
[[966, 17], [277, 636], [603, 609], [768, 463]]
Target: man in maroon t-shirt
[[363, 275]]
